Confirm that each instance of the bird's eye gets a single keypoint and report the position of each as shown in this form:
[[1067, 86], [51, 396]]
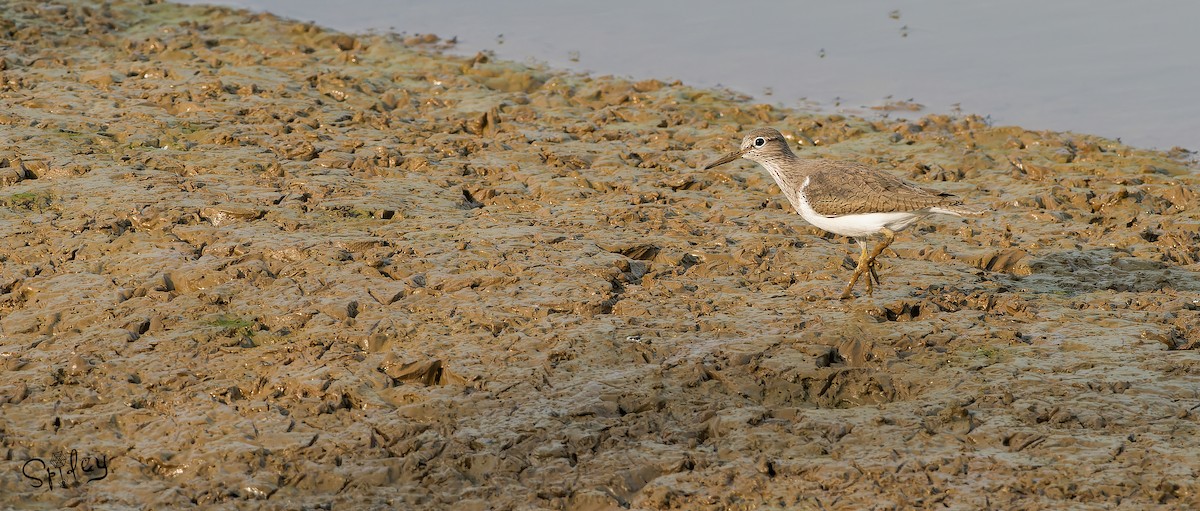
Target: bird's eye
[[758, 142]]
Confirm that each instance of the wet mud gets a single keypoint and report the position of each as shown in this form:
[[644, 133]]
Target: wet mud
[[253, 263]]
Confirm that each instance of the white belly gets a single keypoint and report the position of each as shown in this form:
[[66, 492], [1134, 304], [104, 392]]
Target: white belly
[[858, 225]]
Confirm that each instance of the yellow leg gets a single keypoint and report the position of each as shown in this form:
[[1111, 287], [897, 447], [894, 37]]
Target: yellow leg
[[888, 237], [866, 264], [858, 270]]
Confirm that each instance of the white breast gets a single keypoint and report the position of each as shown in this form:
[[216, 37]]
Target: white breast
[[857, 225]]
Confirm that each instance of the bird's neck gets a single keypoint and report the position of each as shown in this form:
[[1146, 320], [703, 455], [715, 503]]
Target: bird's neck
[[788, 170]]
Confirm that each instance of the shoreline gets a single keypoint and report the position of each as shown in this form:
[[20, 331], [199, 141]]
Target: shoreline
[[250, 261], [1076, 87]]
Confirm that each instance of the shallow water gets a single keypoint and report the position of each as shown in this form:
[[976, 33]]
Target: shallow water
[[1112, 68]]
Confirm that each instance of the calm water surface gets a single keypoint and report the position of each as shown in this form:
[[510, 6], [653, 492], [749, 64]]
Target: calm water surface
[[1120, 69]]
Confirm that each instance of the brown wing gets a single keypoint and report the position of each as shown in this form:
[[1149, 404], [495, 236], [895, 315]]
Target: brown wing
[[843, 188]]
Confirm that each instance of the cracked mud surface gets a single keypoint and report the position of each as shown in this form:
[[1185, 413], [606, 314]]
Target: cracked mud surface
[[259, 264]]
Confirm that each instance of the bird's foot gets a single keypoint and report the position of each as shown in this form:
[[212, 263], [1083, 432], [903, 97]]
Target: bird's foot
[[864, 266], [846, 293]]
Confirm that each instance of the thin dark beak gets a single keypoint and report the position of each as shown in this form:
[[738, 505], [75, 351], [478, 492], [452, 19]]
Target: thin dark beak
[[725, 159]]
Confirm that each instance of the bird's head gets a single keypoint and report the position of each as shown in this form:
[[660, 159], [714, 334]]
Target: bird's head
[[761, 144]]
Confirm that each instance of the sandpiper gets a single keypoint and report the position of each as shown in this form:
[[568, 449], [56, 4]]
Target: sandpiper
[[844, 197]]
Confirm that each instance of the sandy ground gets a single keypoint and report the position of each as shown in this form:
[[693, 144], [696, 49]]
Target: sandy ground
[[254, 263]]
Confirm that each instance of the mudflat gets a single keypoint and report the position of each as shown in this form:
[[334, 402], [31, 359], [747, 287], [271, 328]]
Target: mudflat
[[249, 262]]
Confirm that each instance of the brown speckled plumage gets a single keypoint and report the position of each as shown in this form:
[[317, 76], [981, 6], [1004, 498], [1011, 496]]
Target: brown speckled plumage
[[843, 188]]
